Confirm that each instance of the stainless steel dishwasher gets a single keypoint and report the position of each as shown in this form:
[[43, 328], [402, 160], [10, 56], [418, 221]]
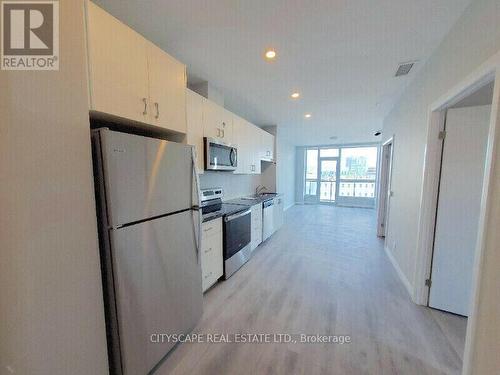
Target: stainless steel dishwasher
[[267, 219]]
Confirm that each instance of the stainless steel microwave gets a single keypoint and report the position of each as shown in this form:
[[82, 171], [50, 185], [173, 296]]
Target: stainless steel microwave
[[220, 156]]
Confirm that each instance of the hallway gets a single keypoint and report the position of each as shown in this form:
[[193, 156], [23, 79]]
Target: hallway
[[325, 272]]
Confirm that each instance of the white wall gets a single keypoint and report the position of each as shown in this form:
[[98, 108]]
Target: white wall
[[285, 165], [233, 185], [484, 328], [51, 308], [474, 38]]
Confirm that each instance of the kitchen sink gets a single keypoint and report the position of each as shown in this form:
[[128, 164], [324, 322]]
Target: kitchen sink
[[259, 197], [268, 194]]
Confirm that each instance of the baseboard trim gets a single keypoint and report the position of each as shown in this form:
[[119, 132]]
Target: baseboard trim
[[400, 273]]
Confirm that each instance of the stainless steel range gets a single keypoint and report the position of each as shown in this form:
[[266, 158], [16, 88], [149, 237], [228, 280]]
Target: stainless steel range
[[236, 228]]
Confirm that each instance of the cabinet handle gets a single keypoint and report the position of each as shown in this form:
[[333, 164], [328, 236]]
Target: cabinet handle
[[218, 132], [157, 106], [145, 101], [206, 230], [223, 124], [209, 250], [223, 133]]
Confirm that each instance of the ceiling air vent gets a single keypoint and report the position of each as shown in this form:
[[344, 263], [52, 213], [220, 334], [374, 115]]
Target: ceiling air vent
[[404, 68]]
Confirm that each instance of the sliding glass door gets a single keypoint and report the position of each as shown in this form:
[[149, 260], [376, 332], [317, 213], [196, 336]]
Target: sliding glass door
[[322, 172]]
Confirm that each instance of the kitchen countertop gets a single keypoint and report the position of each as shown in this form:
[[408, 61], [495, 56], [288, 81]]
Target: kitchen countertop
[[253, 202], [228, 206]]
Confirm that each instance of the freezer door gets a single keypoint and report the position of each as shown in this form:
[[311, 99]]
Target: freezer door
[[157, 287], [144, 177]]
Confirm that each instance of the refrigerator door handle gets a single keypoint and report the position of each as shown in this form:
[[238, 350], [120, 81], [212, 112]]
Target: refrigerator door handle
[[197, 206]]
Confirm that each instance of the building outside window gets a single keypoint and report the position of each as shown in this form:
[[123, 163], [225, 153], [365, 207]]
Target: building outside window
[[342, 175]]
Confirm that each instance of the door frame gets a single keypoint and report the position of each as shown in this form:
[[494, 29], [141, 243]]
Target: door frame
[[385, 180], [484, 74], [317, 199], [337, 175]]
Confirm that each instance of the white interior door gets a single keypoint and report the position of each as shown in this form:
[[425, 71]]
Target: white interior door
[[462, 171]]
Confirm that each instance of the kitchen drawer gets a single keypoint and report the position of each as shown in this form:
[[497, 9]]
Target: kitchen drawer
[[211, 227], [212, 271], [211, 254]]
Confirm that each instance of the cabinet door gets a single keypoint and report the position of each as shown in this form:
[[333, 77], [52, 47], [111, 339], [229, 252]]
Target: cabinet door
[[226, 125], [256, 225], [118, 67], [267, 146], [194, 110], [211, 128], [211, 260], [242, 137], [211, 254], [167, 90], [256, 148]]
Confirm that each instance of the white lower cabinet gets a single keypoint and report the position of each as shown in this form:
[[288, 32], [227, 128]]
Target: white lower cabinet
[[256, 235], [211, 252]]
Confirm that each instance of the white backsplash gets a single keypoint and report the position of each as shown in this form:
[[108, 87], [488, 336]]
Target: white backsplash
[[233, 185]]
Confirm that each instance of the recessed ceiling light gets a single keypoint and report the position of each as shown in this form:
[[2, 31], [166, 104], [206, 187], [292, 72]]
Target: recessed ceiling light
[[270, 54], [307, 115], [295, 95]]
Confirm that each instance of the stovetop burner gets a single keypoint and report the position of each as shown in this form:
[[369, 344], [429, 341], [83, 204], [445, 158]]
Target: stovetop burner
[[212, 206]]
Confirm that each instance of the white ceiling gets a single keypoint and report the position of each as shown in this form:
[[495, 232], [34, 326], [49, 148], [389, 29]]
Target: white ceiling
[[340, 54]]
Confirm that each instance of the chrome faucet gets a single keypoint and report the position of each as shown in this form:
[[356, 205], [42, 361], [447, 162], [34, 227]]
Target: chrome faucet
[[259, 189]]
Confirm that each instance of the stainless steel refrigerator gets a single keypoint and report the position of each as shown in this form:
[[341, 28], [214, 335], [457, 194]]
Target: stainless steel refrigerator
[[149, 226]]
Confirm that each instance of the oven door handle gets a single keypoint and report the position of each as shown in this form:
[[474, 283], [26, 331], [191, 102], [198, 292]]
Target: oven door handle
[[235, 216]]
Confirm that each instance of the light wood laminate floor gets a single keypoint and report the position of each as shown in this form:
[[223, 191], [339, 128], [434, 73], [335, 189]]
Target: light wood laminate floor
[[325, 272]]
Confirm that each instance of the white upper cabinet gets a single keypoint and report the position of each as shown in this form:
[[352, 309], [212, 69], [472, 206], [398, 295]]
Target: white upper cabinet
[[130, 77], [218, 123], [167, 90], [118, 67], [256, 145], [195, 104], [267, 146], [246, 143]]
